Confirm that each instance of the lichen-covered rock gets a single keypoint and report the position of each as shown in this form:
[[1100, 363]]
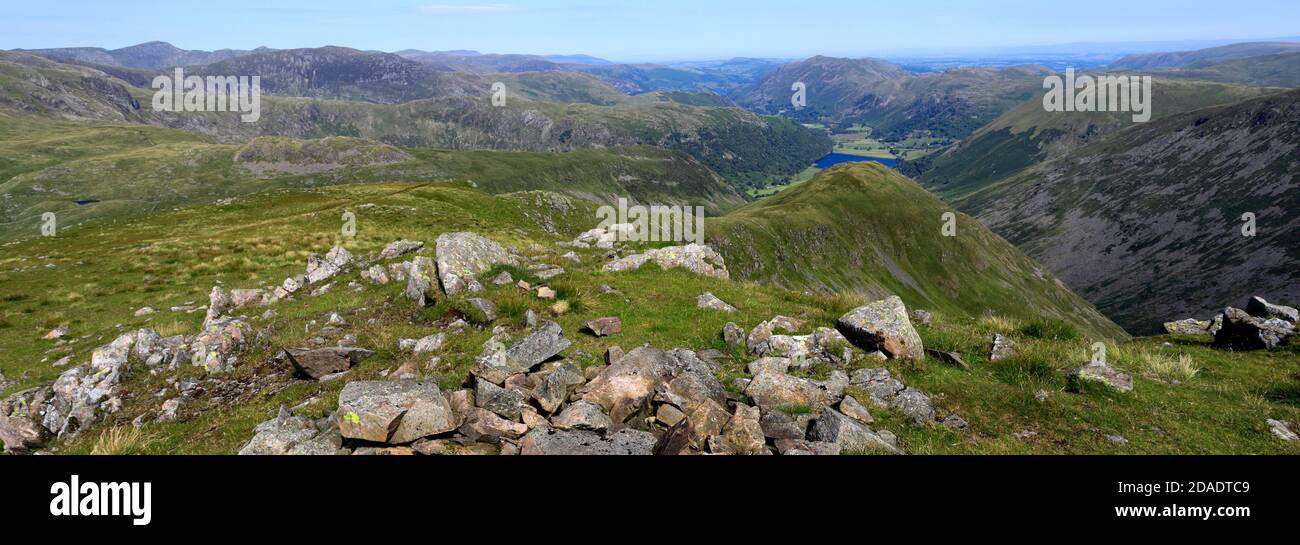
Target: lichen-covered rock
[[215, 347], [1100, 372], [608, 325], [744, 433], [1189, 326], [696, 258], [463, 256], [320, 269], [1242, 331], [772, 391], [393, 412], [278, 435], [558, 384], [544, 343], [507, 403], [914, 404], [883, 325], [420, 281]]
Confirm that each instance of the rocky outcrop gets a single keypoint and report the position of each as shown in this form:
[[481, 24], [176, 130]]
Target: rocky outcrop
[[1242, 331], [540, 346], [696, 258]]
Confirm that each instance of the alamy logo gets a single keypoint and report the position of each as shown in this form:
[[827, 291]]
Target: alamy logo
[[799, 98], [92, 499], [181, 93], [1100, 94], [654, 223]]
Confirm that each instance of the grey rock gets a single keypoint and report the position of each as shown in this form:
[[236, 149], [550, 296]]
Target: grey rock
[[1280, 429], [1189, 326], [847, 433], [772, 391], [1260, 308], [463, 256], [482, 424], [487, 309], [851, 408], [543, 344], [955, 422], [709, 301], [608, 325], [1003, 348], [914, 404], [778, 425], [582, 415], [278, 435], [1242, 331], [950, 358], [551, 441], [1099, 372], [557, 386], [420, 281], [507, 403], [393, 412], [399, 248], [696, 258], [733, 335], [883, 325]]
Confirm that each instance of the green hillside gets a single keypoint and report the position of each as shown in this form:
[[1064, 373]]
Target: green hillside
[[863, 228], [1029, 134], [118, 171]]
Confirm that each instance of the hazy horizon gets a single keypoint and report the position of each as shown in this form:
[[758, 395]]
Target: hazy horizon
[[669, 31]]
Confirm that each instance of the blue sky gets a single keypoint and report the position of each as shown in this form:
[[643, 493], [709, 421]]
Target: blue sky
[[641, 30]]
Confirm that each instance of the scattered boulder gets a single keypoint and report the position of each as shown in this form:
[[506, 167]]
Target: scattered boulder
[[772, 391], [850, 407], [583, 415], [503, 279], [921, 316], [393, 412], [56, 333], [744, 433], [1003, 348], [1100, 372], [1280, 429], [544, 292], [1260, 308], [696, 258], [486, 309], [1242, 331], [376, 274], [463, 256], [552, 441], [428, 343], [482, 424], [420, 281], [883, 325], [848, 434], [1189, 326], [544, 343], [319, 362], [320, 269], [609, 325], [914, 404], [733, 335], [399, 248], [709, 301], [279, 435]]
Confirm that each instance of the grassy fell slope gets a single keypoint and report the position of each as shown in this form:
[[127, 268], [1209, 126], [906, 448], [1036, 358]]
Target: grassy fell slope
[[865, 228], [117, 171], [1028, 135], [100, 274], [1146, 223]]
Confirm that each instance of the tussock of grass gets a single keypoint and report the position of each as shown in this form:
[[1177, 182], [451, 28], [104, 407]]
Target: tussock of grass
[[122, 440]]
